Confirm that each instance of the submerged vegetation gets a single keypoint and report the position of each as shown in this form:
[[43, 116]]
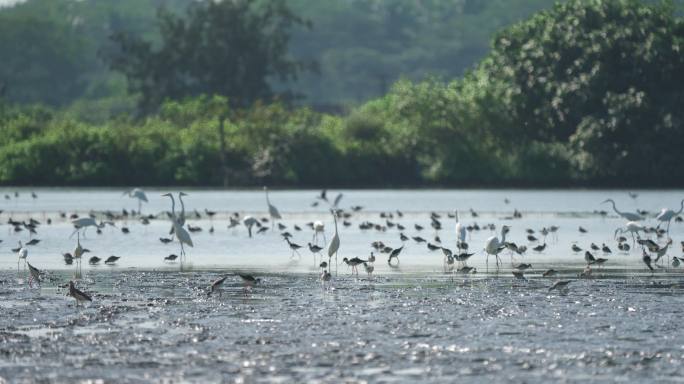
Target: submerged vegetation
[[586, 93]]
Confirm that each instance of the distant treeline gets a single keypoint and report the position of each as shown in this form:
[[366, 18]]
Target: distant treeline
[[587, 93]]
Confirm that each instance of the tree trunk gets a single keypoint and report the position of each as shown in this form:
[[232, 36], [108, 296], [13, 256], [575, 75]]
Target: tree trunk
[[222, 149]]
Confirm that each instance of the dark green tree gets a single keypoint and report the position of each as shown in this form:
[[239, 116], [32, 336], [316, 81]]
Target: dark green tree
[[228, 48]]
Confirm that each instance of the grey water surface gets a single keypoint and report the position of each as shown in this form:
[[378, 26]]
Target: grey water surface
[[152, 321]]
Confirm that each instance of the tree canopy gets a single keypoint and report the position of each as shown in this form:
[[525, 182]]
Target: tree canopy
[[229, 48]]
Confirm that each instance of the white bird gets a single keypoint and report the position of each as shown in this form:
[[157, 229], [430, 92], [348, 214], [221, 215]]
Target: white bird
[[22, 254], [631, 216], [334, 245], [632, 227], [272, 210], [249, 222], [83, 223], [460, 232], [666, 215], [181, 234], [493, 246], [180, 219], [139, 194], [318, 227]]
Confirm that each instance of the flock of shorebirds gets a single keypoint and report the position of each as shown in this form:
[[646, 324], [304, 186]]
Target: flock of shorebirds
[[654, 241]]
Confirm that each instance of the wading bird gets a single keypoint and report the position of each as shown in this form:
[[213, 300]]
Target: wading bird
[[139, 194], [334, 245], [666, 215], [627, 215], [272, 210]]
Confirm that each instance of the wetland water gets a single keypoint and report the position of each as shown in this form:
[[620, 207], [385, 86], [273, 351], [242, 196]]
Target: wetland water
[[150, 322]]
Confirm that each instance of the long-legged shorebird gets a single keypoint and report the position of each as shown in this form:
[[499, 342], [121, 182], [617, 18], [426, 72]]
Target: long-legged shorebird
[[77, 294], [216, 286], [248, 280], [354, 263], [34, 275]]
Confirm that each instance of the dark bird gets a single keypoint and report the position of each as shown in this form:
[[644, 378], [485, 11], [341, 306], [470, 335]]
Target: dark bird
[[647, 260], [539, 248], [112, 259], [582, 230], [519, 275], [77, 294], [575, 248], [549, 273], [433, 247], [560, 285], [94, 260], [33, 242], [68, 258], [171, 257], [394, 254], [418, 239], [605, 249], [249, 280], [216, 285], [353, 263]]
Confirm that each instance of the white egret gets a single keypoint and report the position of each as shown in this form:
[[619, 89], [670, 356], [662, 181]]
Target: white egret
[[180, 219], [318, 227], [249, 222], [460, 232], [22, 254], [631, 216], [83, 223], [631, 227], [666, 215], [139, 194], [334, 245], [181, 234], [493, 245], [272, 210]]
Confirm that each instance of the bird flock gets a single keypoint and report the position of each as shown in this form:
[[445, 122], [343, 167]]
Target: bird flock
[[654, 242]]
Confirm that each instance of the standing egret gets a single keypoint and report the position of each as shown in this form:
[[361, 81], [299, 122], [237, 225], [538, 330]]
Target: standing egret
[[272, 210], [181, 234], [318, 227], [334, 245], [139, 194], [83, 223], [22, 253], [631, 216], [180, 219], [666, 215], [632, 227], [493, 246], [460, 232]]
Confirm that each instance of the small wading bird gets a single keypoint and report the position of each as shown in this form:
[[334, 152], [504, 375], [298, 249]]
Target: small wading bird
[[216, 285], [77, 294], [561, 285], [354, 263], [34, 275], [249, 281]]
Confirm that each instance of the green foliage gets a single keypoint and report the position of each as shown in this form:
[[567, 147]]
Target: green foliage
[[230, 48]]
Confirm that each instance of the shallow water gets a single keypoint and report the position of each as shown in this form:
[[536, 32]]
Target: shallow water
[[149, 322]]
